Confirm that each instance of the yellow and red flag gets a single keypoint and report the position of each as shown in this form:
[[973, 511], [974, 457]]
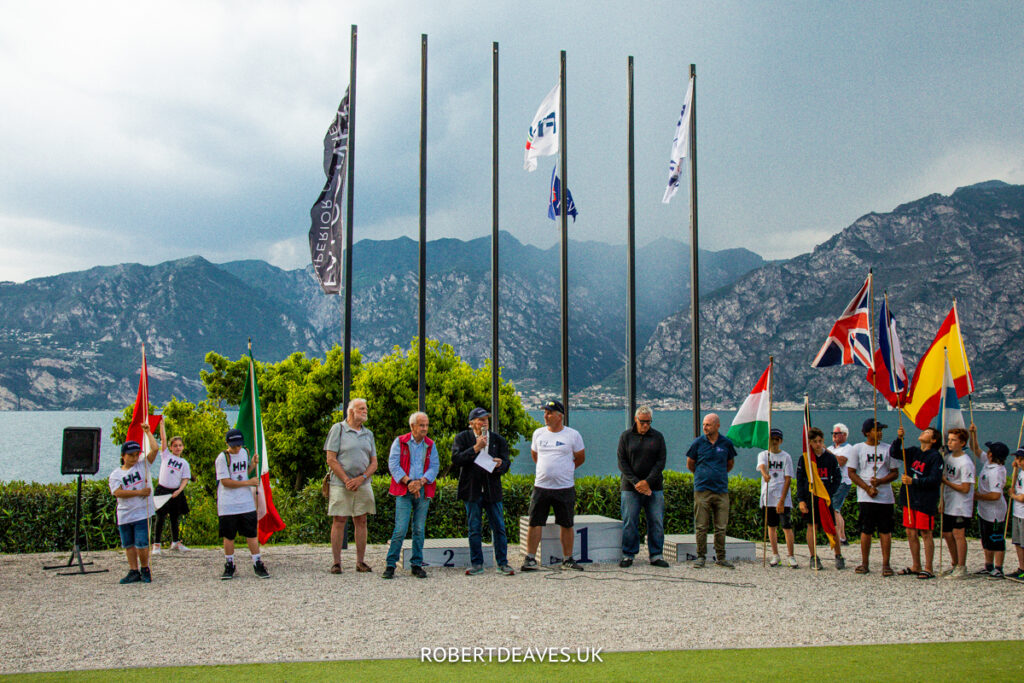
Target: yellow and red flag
[[819, 494], [925, 396]]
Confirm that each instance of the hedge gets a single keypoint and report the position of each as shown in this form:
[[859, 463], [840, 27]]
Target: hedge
[[40, 517]]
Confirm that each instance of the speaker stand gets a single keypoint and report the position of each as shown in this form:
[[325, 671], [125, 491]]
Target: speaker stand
[[76, 552]]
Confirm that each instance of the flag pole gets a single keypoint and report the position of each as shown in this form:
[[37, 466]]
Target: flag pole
[[256, 445], [871, 332], [942, 426], [694, 270], [963, 359], [771, 387], [810, 479], [630, 252], [899, 408], [145, 452], [346, 322], [564, 157], [495, 280], [422, 318]]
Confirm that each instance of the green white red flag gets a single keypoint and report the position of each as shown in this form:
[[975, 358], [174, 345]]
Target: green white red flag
[[250, 422], [749, 428]]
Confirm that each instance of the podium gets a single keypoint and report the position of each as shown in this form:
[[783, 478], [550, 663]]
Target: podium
[[683, 548], [445, 552], [596, 539]]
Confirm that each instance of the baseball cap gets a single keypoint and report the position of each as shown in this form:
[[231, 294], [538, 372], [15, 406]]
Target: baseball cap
[[478, 412], [775, 432], [870, 424], [555, 406], [130, 447], [998, 449], [234, 437]]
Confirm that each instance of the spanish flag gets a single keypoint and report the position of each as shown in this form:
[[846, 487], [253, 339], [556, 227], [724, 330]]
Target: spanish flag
[[925, 395]]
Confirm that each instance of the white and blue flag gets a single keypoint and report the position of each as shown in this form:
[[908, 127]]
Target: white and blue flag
[[543, 138], [555, 201], [680, 145]]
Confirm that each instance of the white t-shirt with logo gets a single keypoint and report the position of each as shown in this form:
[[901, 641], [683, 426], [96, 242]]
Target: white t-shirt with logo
[[1018, 488], [556, 468], [959, 470], [843, 451], [173, 469], [991, 480], [863, 460], [234, 501], [136, 508], [780, 466]]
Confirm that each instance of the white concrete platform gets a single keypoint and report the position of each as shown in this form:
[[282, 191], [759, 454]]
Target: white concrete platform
[[445, 552], [683, 548], [595, 539]]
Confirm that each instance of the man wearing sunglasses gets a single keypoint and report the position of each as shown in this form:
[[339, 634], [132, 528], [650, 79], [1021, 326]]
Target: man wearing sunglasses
[[641, 461]]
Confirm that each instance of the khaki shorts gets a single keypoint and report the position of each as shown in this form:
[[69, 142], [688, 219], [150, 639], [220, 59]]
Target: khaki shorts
[[345, 503]]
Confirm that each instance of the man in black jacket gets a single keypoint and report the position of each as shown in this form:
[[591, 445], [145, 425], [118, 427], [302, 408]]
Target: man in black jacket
[[921, 482], [480, 457], [828, 471], [641, 461]]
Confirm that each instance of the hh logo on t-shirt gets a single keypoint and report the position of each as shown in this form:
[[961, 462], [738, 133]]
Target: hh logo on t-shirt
[[239, 466], [173, 464], [873, 457], [776, 465], [950, 470], [133, 478]]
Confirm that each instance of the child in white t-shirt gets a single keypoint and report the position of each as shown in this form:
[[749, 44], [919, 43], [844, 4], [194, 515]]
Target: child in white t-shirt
[[130, 484], [175, 474], [1017, 494], [991, 504], [957, 501], [776, 468], [236, 503]]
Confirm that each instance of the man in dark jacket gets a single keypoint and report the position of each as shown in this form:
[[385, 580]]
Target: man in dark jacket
[[828, 472], [641, 461], [921, 482], [480, 457]]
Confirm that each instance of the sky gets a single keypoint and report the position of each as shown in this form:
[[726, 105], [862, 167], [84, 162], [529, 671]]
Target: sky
[[145, 131]]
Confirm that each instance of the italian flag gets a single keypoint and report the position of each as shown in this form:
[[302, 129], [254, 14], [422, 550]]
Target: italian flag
[[749, 428], [250, 422]]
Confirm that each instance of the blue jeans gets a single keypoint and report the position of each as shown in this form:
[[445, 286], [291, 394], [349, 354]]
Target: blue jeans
[[496, 518], [407, 507], [654, 508], [134, 534], [840, 496]]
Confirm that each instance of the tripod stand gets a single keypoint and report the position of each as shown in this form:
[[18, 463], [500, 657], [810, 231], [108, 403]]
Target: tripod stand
[[76, 553]]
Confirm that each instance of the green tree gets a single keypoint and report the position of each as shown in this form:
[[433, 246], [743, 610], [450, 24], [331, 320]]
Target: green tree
[[453, 389], [201, 427], [300, 396]]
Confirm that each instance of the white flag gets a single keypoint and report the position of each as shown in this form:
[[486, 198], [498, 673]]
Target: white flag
[[543, 139], [680, 146]]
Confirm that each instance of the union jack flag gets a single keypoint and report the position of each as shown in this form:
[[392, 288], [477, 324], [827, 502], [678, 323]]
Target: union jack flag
[[849, 341]]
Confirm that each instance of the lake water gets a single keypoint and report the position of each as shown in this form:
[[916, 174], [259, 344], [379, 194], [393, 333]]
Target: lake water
[[30, 441]]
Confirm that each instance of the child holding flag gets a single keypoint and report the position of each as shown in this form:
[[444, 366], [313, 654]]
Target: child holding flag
[[1017, 493], [236, 503], [991, 504], [828, 472], [132, 488], [175, 474], [958, 501], [776, 468], [919, 497]]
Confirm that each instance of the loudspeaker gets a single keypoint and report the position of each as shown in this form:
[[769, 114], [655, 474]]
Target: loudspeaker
[[81, 451]]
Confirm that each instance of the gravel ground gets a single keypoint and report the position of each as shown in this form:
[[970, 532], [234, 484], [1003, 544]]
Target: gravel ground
[[187, 616]]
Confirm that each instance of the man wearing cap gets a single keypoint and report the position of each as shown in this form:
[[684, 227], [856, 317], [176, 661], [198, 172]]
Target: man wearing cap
[[873, 470], [413, 463], [557, 450], [840, 448], [236, 503], [480, 457], [352, 460], [642, 455], [710, 458]]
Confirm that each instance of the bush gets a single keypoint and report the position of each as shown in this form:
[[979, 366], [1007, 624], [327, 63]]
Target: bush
[[40, 517]]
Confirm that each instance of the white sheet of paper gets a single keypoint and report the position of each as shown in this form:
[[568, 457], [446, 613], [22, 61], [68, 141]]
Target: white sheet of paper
[[160, 501], [483, 459]]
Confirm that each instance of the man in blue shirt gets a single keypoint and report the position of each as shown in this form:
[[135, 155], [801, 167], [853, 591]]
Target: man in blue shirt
[[710, 458], [413, 463]]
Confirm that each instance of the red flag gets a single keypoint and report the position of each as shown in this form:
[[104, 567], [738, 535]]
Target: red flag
[[141, 411]]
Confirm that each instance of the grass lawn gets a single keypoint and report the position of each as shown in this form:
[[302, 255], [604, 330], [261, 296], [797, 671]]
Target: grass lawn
[[988, 661]]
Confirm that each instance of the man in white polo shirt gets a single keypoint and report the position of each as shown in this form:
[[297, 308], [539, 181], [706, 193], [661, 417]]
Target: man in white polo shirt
[[558, 451], [841, 449]]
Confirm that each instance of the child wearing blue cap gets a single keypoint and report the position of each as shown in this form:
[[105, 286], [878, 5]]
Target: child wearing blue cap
[[1017, 493], [236, 503], [991, 504], [130, 484]]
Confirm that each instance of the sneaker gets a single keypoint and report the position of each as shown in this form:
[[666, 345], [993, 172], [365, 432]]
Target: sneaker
[[419, 572], [626, 562], [816, 563], [180, 547], [700, 562], [840, 563], [957, 572], [475, 570], [775, 561], [133, 576], [229, 571], [1017, 575], [506, 570], [946, 572], [792, 563], [996, 573], [987, 571], [845, 542], [260, 569], [155, 550], [146, 576], [660, 563], [529, 565], [389, 573], [570, 563], [726, 564]]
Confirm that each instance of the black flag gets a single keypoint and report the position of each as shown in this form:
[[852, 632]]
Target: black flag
[[325, 233]]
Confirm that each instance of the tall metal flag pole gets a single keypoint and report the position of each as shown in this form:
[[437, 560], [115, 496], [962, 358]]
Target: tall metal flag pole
[[694, 272], [963, 359], [771, 388], [630, 253], [346, 318], [565, 236], [871, 332], [422, 330], [495, 280]]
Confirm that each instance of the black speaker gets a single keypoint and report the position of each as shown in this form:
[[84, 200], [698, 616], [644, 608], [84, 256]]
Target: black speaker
[[81, 451]]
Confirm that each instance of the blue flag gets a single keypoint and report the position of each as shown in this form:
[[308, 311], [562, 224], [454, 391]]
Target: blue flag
[[554, 202]]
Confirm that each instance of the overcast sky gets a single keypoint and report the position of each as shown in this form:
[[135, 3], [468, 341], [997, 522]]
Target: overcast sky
[[144, 132]]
